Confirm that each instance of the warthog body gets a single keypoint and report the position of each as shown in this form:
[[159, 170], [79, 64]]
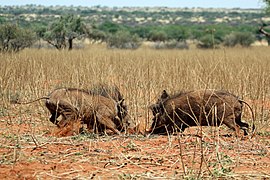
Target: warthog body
[[113, 93], [100, 107], [96, 111], [194, 108]]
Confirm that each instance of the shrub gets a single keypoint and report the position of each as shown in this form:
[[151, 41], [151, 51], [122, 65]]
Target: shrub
[[208, 41], [158, 36], [244, 39], [123, 40], [171, 45], [97, 35]]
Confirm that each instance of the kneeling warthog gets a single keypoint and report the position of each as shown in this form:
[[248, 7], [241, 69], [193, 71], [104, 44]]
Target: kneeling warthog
[[111, 92], [100, 108], [194, 108], [96, 111]]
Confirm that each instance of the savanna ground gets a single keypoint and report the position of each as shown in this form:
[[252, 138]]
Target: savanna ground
[[33, 148]]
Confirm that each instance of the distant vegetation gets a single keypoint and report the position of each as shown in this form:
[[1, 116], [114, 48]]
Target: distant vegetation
[[127, 27]]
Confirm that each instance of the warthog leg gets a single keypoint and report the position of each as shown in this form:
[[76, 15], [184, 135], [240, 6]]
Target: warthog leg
[[104, 117]]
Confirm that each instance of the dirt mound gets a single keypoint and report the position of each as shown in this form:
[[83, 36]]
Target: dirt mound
[[71, 129]]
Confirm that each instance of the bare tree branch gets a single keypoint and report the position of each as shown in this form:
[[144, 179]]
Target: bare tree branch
[[261, 30]]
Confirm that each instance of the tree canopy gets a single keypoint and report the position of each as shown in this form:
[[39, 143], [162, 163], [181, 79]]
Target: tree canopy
[[14, 38], [64, 31], [264, 28], [267, 7]]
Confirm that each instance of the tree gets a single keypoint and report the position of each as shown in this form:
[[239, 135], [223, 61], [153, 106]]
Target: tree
[[262, 28], [64, 31], [14, 38], [267, 7]]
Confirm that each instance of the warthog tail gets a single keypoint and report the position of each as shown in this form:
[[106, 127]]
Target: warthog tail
[[253, 117], [29, 102]]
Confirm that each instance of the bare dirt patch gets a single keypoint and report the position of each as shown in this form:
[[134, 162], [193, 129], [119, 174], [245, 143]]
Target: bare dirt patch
[[29, 151]]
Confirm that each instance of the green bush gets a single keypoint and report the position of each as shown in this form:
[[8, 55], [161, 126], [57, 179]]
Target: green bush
[[123, 40], [14, 38], [171, 45], [158, 36], [97, 35], [244, 39], [208, 41]]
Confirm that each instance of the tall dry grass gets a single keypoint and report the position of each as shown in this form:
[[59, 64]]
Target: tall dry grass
[[140, 74]]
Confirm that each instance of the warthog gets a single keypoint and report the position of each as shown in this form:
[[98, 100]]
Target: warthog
[[111, 92], [96, 111], [101, 107], [194, 108]]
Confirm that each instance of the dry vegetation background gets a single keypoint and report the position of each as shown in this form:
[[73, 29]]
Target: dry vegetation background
[[29, 148]]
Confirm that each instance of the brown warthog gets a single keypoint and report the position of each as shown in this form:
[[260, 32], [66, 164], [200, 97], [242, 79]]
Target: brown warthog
[[96, 111], [101, 107], [111, 92], [194, 108]]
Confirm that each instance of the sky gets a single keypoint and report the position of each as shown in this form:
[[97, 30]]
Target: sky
[[148, 3]]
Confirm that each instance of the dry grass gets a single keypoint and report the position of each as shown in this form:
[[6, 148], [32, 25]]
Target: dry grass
[[141, 75]]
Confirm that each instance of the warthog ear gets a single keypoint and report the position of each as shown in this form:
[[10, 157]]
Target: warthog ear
[[164, 95]]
